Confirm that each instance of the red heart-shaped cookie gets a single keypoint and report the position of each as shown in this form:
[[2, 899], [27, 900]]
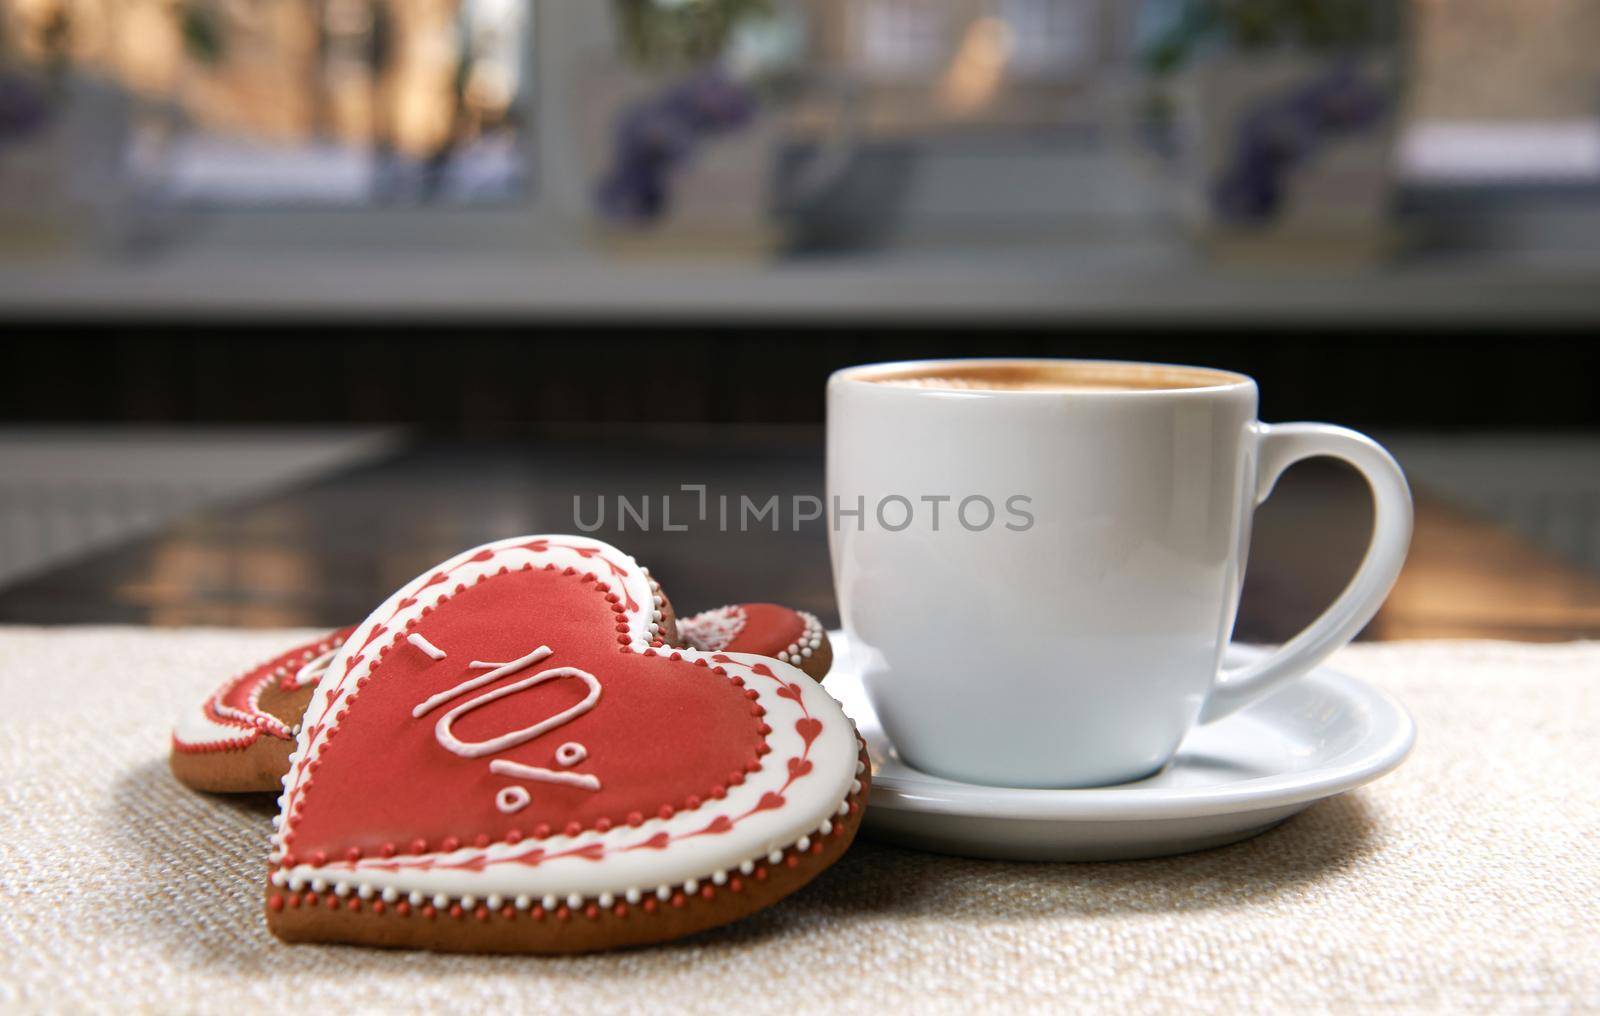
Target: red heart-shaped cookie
[[509, 738], [448, 720]]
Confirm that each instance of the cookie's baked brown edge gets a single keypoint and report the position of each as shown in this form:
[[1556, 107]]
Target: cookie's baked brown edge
[[312, 917]]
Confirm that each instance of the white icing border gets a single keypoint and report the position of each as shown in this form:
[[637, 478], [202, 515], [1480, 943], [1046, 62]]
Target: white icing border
[[196, 730], [712, 631], [810, 640], [811, 803]]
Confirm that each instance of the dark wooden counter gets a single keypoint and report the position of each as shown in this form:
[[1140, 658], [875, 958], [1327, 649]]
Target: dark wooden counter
[[325, 553]]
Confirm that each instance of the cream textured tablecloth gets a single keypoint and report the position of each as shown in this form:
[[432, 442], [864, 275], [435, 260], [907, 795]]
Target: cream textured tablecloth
[[1469, 878]]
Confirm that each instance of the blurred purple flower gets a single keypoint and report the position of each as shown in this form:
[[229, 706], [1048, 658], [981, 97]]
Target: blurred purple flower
[[24, 109], [1285, 131], [639, 195], [655, 137], [1249, 195], [1343, 100], [712, 102], [1276, 137], [650, 135]]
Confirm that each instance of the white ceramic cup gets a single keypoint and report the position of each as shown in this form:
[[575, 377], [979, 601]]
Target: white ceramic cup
[[1072, 632]]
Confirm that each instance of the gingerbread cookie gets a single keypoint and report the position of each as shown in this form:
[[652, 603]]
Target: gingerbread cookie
[[766, 629], [239, 737], [237, 740], [508, 756]]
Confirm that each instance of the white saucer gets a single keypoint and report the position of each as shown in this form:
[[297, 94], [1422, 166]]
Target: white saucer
[[1319, 736]]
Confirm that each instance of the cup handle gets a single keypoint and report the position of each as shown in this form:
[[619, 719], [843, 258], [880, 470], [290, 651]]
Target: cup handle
[[1278, 447]]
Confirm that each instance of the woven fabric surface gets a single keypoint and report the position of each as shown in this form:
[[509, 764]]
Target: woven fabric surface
[[1468, 878]]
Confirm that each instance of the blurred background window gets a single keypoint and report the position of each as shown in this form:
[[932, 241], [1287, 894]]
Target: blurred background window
[[267, 102], [1108, 155], [1258, 183], [1052, 38], [1041, 37], [903, 36]]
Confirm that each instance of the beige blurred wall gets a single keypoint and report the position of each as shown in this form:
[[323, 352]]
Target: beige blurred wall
[[1506, 59]]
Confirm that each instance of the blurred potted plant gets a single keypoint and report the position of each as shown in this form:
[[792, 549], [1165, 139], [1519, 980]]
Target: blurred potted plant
[[1285, 111], [679, 123]]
